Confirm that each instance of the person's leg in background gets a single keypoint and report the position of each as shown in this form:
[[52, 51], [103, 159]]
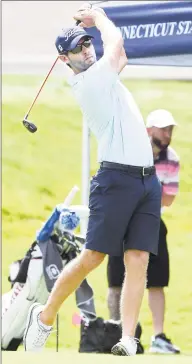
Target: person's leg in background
[[115, 278], [157, 279]]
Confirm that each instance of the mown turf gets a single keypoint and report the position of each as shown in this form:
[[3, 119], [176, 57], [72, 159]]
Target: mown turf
[[70, 356], [39, 169]]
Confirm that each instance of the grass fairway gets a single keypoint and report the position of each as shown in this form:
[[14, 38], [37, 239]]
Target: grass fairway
[[39, 169], [69, 356]]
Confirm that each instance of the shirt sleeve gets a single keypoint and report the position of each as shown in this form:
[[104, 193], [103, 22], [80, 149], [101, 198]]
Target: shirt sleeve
[[170, 182]]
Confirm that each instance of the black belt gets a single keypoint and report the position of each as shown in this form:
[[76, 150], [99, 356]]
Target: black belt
[[142, 171]]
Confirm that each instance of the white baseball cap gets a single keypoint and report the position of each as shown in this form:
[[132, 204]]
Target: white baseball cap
[[160, 119]]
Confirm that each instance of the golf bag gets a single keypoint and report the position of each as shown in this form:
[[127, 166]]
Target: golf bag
[[28, 286], [32, 278]]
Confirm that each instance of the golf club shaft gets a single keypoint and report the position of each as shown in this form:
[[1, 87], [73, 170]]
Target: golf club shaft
[[26, 116]]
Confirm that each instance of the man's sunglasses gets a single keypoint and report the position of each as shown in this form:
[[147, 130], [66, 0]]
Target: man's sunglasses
[[79, 47]]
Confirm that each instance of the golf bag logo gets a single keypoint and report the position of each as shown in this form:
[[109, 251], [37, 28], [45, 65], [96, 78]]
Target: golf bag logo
[[52, 271]]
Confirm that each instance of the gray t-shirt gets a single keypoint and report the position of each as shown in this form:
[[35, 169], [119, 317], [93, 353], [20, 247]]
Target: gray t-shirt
[[112, 115]]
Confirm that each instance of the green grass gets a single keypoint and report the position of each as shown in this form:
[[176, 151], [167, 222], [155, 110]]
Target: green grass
[[39, 169], [68, 356]]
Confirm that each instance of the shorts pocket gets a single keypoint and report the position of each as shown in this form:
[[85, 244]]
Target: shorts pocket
[[95, 195], [105, 180]]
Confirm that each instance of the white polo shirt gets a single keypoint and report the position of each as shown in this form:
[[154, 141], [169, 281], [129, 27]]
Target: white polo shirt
[[112, 115]]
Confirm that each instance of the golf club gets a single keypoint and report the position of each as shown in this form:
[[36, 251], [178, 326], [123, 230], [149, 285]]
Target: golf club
[[28, 124]]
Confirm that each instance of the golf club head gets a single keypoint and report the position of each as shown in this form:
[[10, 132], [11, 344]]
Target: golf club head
[[29, 125]]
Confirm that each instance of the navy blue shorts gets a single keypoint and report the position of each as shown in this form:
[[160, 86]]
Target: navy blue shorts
[[124, 211], [158, 268]]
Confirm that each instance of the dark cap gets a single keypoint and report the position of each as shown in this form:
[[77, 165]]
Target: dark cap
[[69, 38]]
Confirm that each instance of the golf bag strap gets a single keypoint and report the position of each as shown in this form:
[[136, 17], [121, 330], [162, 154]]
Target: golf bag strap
[[22, 274]]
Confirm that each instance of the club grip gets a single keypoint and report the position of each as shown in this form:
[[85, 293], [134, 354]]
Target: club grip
[[79, 21]]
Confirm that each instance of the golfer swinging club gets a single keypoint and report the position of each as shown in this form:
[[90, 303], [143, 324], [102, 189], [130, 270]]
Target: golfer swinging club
[[125, 194]]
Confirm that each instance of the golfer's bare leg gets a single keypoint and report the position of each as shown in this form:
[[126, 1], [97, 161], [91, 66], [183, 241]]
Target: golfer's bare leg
[[136, 263], [70, 279], [157, 305]]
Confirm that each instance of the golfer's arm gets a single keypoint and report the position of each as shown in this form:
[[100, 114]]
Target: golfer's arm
[[167, 200], [112, 40], [122, 61]]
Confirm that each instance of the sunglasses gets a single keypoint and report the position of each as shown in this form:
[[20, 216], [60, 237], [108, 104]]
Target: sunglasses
[[79, 47]]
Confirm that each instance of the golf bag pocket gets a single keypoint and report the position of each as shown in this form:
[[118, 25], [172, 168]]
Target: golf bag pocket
[[16, 303], [98, 336]]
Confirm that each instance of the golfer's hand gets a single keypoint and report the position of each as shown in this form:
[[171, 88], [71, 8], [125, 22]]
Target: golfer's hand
[[86, 15]]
